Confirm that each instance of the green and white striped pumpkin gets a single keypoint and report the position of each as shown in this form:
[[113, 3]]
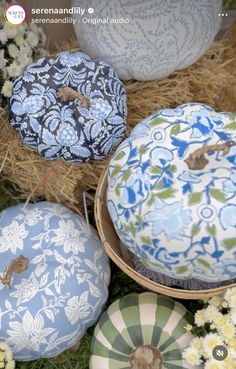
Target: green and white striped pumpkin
[[146, 323]]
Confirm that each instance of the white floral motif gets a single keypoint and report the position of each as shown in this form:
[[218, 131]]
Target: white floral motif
[[54, 239], [78, 308], [29, 334], [13, 237]]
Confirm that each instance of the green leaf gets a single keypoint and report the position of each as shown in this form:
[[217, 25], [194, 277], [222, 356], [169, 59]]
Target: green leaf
[[203, 263], [218, 194], [156, 122], [229, 243], [211, 230], [132, 229], [231, 126], [155, 170], [117, 191], [182, 269], [126, 174], [195, 230], [173, 168], [151, 200], [175, 130], [142, 149], [194, 198], [116, 170], [120, 155], [159, 185], [146, 240], [166, 194], [139, 219]]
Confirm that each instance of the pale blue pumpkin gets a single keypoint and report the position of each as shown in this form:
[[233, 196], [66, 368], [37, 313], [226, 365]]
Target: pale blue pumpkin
[[51, 304]]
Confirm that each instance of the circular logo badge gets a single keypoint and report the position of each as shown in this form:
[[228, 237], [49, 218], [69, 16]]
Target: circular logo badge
[[15, 14], [220, 353]]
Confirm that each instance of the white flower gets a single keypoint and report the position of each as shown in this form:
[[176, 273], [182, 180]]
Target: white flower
[[200, 318], [211, 313], [230, 297], [26, 49], [23, 60], [19, 39], [216, 301], [43, 37], [3, 61], [33, 39], [3, 37], [10, 31], [10, 365], [214, 364], [210, 341], [69, 237], [9, 355], [233, 315], [78, 308], [12, 237], [4, 346], [29, 333], [33, 27], [7, 89], [14, 70], [197, 343], [13, 50], [192, 356], [227, 330]]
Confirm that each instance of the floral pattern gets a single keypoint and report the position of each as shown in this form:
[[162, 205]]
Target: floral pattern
[[180, 222], [62, 292], [58, 129]]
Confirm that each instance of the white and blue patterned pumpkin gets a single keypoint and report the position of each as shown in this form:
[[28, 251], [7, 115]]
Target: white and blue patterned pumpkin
[[178, 218], [65, 286], [82, 124], [139, 327], [147, 39]]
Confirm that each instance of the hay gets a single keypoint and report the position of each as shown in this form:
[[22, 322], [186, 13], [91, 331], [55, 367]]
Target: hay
[[211, 80]]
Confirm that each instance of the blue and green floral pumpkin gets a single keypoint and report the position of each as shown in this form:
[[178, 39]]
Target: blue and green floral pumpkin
[[54, 278], [142, 331], [172, 193], [71, 107]]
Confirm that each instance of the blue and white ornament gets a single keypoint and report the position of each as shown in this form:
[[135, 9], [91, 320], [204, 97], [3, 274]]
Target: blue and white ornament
[[71, 107], [172, 193], [61, 292]]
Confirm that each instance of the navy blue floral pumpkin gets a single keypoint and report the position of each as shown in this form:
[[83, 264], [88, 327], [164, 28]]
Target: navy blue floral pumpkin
[[70, 107]]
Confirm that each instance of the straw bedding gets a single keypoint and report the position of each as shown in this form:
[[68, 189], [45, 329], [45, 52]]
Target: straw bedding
[[210, 80]]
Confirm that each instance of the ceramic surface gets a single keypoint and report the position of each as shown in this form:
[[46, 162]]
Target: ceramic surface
[[62, 292], [180, 222], [58, 129], [141, 319], [161, 36]]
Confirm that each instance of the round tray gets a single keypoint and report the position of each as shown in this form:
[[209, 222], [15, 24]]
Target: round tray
[[121, 256]]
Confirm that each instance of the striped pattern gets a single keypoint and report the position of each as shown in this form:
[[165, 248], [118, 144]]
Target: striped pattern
[[136, 320]]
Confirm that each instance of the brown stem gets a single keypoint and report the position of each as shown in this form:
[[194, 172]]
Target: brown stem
[[17, 266], [197, 159], [146, 357], [67, 93]]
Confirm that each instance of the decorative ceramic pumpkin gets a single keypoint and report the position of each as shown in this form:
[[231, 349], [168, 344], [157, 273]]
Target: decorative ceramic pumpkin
[[141, 331], [147, 39], [70, 107], [172, 193], [58, 274]]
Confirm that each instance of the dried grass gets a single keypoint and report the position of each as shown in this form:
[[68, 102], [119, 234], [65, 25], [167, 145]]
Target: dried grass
[[210, 80]]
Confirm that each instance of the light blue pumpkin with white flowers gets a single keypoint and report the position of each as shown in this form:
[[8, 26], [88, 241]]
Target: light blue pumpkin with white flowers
[[62, 290], [172, 193], [71, 107]]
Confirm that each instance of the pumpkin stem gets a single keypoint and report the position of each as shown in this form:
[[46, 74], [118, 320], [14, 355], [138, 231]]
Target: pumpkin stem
[[197, 159], [18, 266], [146, 357], [67, 93]]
